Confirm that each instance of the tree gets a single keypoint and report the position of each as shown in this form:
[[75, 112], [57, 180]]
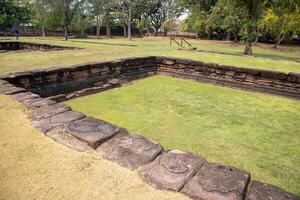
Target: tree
[[161, 10], [283, 17], [41, 9], [98, 9], [255, 9], [13, 13], [228, 16], [67, 9], [199, 12]]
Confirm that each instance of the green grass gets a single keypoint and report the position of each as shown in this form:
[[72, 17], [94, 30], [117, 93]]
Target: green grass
[[285, 59], [255, 132]]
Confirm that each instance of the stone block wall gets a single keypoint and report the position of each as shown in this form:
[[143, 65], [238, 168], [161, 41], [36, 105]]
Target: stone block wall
[[91, 77], [31, 46], [68, 82], [277, 83]]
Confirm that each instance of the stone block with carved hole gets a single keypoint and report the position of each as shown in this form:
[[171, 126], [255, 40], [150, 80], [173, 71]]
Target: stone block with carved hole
[[130, 151], [24, 96], [171, 170], [59, 120], [218, 182], [37, 102], [92, 131], [263, 191], [48, 111]]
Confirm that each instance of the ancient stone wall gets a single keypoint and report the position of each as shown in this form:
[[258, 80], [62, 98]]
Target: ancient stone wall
[[9, 46], [68, 82], [277, 83], [173, 169]]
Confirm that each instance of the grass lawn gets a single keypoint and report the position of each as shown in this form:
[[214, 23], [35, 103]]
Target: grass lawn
[[285, 59], [252, 131], [33, 166]]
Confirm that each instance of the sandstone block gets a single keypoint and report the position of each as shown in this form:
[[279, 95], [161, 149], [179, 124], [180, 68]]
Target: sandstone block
[[130, 151], [217, 182], [37, 102], [48, 111], [59, 120], [263, 191], [92, 131], [171, 170]]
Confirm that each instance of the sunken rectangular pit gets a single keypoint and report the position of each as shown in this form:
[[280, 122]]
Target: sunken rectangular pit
[[68, 82], [41, 90], [15, 46]]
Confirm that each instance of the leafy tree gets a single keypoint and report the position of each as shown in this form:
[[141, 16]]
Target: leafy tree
[[283, 17], [14, 12], [199, 12], [41, 8], [229, 16], [66, 9], [97, 10], [254, 9]]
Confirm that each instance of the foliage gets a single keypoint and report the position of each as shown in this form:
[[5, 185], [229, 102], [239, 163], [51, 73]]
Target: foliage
[[281, 18], [14, 12], [228, 15]]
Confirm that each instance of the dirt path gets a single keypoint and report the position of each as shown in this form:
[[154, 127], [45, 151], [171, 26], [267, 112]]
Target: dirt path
[[33, 166]]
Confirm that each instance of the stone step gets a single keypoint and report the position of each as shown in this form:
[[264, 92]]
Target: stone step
[[130, 151], [218, 182], [92, 131], [171, 170]]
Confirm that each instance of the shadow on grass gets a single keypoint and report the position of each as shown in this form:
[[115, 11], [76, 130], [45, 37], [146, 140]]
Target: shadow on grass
[[127, 45], [257, 55]]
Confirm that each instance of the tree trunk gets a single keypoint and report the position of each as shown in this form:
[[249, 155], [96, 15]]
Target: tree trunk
[[98, 27], [250, 29], [279, 40], [129, 23], [165, 32], [124, 29], [66, 31], [43, 31], [81, 27], [228, 36], [209, 35], [236, 39], [248, 48]]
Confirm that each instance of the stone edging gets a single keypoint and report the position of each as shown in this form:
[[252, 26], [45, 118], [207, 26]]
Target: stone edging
[[68, 82], [172, 170], [14, 45]]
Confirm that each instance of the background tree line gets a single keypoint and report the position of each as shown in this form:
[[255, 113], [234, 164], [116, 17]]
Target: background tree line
[[237, 20]]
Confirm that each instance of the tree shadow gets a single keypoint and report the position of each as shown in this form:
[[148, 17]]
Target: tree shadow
[[104, 43], [257, 55]]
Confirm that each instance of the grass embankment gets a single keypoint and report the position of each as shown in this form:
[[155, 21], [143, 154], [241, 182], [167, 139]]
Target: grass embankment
[[285, 59], [32, 166], [252, 131]]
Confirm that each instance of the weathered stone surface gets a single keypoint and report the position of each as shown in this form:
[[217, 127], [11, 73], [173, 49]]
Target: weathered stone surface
[[263, 191], [59, 120], [10, 89], [114, 81], [48, 111], [92, 131], [171, 170], [59, 135], [24, 96], [38, 102], [218, 182], [3, 82], [130, 151]]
